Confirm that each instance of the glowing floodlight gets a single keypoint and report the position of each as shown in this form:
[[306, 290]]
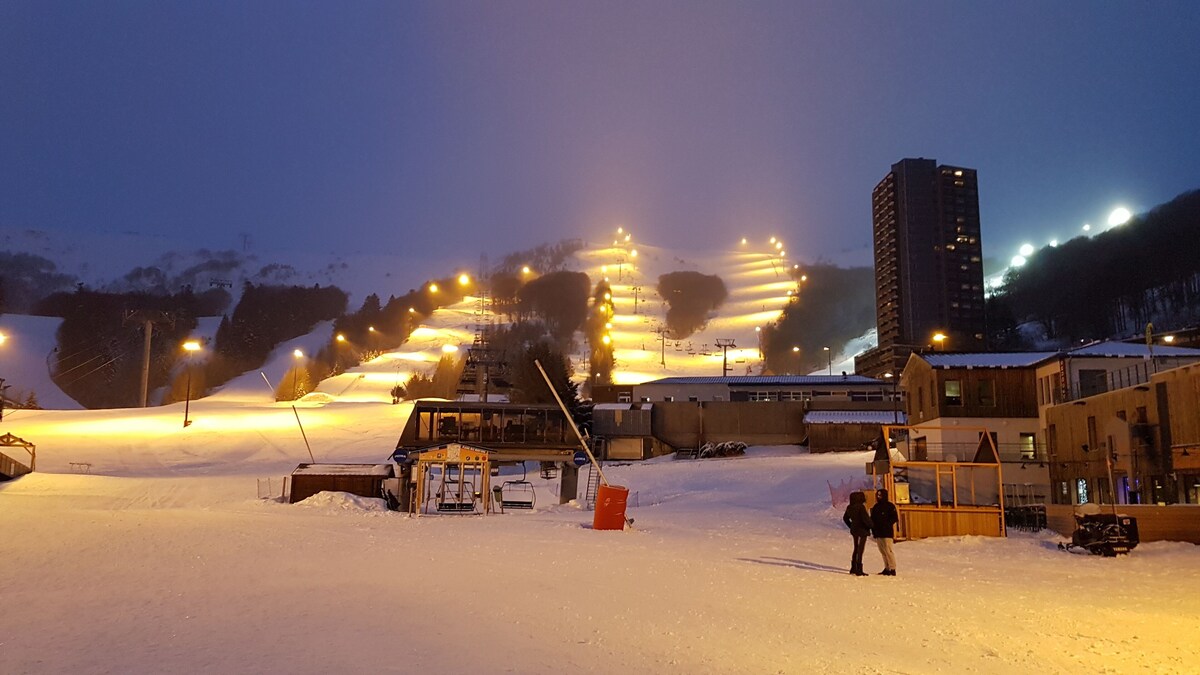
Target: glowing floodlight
[[620, 230], [1053, 243], [449, 349], [463, 280], [1026, 250], [433, 288], [1119, 216], [772, 240], [1168, 339], [525, 270], [298, 354], [633, 253], [778, 245], [1018, 261], [341, 338], [1087, 227], [606, 340], [191, 346], [743, 241]]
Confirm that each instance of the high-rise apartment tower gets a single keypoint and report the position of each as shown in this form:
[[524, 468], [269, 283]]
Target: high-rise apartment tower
[[928, 263]]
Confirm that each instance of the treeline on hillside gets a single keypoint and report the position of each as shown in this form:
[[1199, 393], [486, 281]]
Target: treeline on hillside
[[1108, 285], [830, 306], [25, 279], [264, 317], [99, 357], [690, 297]]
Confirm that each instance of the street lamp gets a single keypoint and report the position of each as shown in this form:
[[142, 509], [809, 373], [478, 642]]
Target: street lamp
[[191, 347], [829, 359], [296, 355], [895, 412], [940, 340], [796, 351]]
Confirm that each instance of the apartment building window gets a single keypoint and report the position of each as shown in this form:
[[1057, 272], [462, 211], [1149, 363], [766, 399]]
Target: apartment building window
[[953, 392], [1091, 433], [1028, 444], [624, 398], [987, 393]]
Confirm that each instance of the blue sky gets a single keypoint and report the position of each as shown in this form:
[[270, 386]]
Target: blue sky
[[450, 128]]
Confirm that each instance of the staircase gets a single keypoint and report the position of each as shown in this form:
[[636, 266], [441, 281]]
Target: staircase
[[593, 485], [687, 453]]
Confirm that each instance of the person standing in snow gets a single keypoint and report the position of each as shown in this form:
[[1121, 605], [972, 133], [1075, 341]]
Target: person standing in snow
[[883, 523], [859, 521]]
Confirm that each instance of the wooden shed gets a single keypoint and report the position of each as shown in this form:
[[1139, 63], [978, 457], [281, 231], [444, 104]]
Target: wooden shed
[[364, 480]]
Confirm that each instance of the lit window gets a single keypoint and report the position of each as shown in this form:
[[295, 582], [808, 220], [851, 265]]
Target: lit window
[[953, 392]]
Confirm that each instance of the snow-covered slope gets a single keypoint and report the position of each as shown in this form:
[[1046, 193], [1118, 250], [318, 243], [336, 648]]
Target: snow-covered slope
[[143, 546]]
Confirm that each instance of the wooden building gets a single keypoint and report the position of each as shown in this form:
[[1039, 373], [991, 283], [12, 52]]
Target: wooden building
[[950, 396], [364, 480]]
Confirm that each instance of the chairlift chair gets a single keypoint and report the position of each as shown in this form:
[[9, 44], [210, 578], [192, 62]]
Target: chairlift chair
[[516, 494]]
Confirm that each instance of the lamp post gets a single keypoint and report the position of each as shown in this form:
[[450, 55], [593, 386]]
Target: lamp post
[[191, 347], [895, 411], [296, 356], [3, 387], [940, 340], [796, 351], [829, 359]]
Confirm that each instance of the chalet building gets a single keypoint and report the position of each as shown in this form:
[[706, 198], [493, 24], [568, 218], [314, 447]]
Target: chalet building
[[1139, 447], [1148, 433], [1103, 366], [952, 398]]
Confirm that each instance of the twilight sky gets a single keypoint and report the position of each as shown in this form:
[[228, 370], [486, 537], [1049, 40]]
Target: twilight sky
[[447, 128]]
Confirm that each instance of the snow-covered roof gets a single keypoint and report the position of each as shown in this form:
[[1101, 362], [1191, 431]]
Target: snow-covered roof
[[770, 380], [343, 470], [613, 406], [1134, 349], [985, 359], [854, 417]]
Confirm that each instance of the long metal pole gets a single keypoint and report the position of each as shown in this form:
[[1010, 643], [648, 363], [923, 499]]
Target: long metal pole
[[582, 443], [146, 363], [187, 398]]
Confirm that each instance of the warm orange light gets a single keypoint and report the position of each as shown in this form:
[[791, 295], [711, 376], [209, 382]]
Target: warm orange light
[[433, 288], [525, 269], [298, 354], [341, 338], [190, 345], [463, 280], [370, 329]]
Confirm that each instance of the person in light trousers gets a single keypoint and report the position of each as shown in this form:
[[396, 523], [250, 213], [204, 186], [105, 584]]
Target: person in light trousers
[[883, 528]]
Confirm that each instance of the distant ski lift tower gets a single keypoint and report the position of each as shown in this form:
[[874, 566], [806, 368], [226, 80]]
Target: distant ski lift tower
[[724, 344]]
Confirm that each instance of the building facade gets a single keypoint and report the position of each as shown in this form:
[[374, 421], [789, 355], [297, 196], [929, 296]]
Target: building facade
[[928, 263]]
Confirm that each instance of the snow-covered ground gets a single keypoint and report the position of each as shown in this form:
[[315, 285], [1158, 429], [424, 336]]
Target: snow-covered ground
[[734, 566], [144, 546]]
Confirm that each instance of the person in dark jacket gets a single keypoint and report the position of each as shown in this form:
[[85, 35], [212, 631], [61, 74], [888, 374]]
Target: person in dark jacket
[[883, 523], [859, 521]]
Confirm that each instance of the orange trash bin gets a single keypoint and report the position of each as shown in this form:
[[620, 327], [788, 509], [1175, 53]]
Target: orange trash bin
[[610, 507]]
